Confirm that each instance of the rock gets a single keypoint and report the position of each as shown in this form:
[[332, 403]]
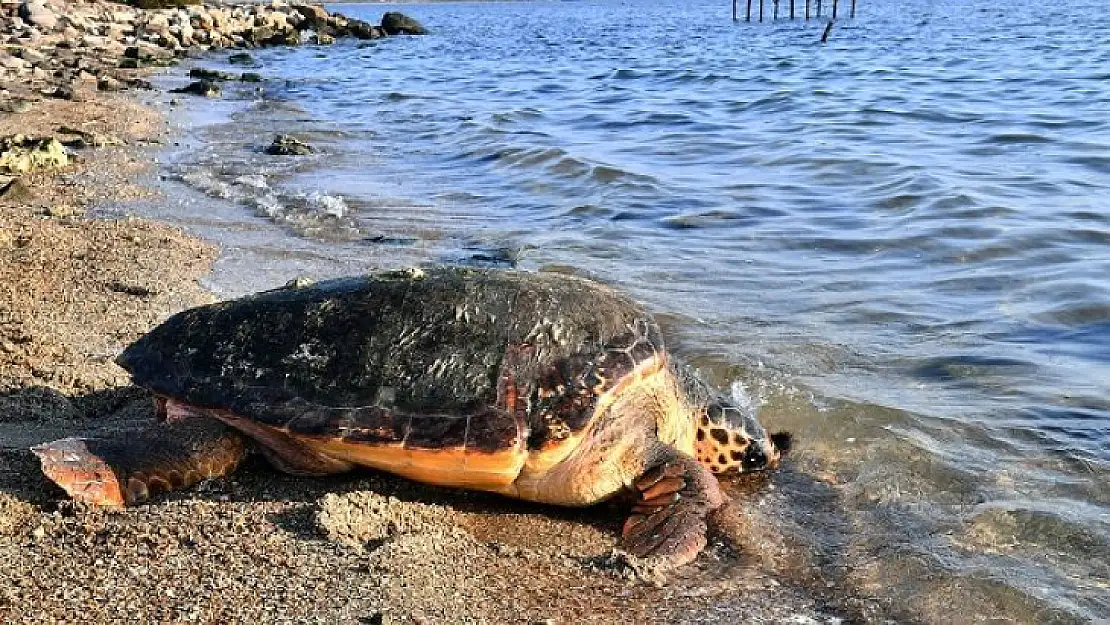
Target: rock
[[123, 17], [63, 210], [107, 83], [399, 24], [20, 154], [16, 192], [37, 14], [313, 13], [210, 74], [157, 23], [250, 77], [241, 58], [10, 62], [67, 92], [363, 30], [323, 38], [287, 38], [87, 138], [284, 145], [204, 88], [15, 106], [32, 56], [259, 35]]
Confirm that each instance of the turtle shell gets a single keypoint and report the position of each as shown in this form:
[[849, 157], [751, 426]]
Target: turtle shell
[[447, 358]]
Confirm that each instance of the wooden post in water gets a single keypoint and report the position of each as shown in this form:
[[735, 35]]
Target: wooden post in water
[[835, 2], [749, 10], [853, 9], [775, 13], [818, 8], [734, 10], [792, 9], [760, 11], [807, 10]]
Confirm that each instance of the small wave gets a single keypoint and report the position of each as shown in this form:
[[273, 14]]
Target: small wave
[[314, 213], [1016, 138]]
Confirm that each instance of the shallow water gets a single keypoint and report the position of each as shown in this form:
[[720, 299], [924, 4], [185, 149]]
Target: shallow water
[[896, 244]]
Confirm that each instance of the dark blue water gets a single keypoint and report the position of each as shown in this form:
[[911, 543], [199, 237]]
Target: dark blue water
[[896, 244]]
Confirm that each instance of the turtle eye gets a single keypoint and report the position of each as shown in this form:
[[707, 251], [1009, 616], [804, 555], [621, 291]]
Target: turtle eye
[[754, 459]]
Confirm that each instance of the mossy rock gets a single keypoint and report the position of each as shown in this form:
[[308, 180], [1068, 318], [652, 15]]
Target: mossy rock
[[20, 154]]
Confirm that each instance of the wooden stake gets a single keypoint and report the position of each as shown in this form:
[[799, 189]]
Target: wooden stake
[[807, 10], [734, 10], [760, 11], [828, 29], [749, 10], [835, 2], [853, 9], [776, 11], [818, 8], [792, 9]]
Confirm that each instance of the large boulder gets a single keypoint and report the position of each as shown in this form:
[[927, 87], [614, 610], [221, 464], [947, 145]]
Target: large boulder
[[401, 24]]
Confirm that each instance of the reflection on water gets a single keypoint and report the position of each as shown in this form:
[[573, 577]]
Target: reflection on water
[[896, 243]]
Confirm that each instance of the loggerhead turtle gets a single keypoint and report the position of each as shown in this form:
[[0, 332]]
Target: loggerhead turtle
[[543, 387]]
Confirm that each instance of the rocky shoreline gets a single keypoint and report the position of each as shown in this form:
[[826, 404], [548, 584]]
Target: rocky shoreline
[[70, 50], [256, 546]]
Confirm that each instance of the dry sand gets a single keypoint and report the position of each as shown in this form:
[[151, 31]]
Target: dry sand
[[263, 547]]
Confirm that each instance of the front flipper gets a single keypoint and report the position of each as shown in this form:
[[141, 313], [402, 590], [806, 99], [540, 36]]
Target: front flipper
[[125, 469], [674, 498]]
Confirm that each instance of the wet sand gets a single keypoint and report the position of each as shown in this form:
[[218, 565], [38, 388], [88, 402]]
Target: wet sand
[[259, 546]]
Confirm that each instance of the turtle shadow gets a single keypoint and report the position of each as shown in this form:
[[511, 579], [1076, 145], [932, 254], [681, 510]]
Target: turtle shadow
[[482, 514]]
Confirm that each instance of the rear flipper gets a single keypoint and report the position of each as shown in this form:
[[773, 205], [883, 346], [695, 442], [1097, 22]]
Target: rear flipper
[[669, 518], [128, 468]]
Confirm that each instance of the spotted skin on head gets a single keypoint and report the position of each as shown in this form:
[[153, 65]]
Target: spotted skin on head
[[720, 448]]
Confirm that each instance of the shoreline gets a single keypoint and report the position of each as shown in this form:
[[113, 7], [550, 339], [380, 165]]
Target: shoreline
[[259, 545]]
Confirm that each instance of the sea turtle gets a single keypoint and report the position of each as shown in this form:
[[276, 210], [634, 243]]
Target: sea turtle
[[538, 386]]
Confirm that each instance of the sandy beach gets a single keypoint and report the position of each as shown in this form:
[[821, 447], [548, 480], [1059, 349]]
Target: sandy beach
[[259, 546]]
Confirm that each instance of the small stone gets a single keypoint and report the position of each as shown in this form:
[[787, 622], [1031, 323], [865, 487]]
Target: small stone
[[156, 23], [15, 106], [204, 88], [241, 58], [210, 74], [109, 83], [250, 77], [87, 139], [284, 145], [8, 61], [32, 56], [17, 192], [63, 210]]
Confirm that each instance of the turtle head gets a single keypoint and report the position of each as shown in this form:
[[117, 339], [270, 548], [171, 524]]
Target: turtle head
[[729, 438]]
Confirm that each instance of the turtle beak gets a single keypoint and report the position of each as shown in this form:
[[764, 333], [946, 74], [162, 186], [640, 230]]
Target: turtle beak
[[766, 453]]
